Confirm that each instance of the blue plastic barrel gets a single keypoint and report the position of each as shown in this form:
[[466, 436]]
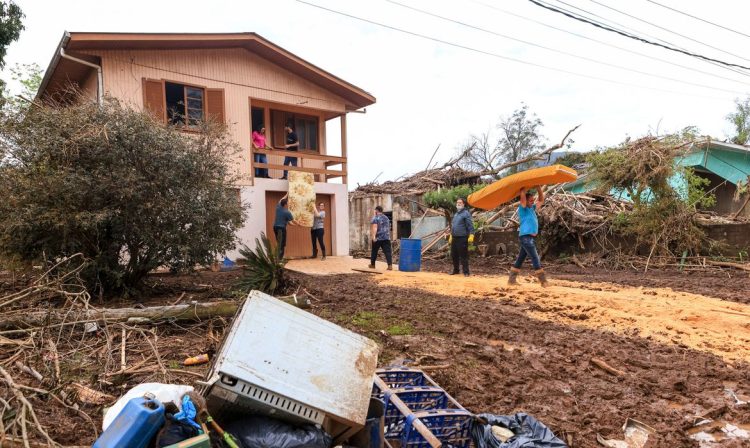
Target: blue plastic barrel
[[134, 426], [410, 255]]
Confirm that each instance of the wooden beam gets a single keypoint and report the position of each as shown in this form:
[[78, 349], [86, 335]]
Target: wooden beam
[[300, 155], [305, 169], [343, 147]]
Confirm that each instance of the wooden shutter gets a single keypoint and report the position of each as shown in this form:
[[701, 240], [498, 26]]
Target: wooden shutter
[[154, 98], [215, 105]]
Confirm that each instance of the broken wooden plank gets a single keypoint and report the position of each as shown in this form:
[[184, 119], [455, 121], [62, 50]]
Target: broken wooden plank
[[606, 367]]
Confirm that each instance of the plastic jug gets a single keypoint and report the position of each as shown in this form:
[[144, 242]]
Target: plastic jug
[[135, 425]]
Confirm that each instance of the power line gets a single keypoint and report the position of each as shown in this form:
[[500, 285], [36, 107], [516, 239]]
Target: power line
[[496, 55], [698, 18], [585, 58], [686, 67], [632, 30], [668, 30], [631, 36]]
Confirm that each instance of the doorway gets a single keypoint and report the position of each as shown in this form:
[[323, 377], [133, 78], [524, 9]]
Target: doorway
[[298, 239]]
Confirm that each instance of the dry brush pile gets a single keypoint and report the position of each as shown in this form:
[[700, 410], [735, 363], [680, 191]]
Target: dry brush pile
[[62, 360]]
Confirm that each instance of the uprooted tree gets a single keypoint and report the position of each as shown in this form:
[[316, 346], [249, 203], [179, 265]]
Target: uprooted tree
[[118, 187], [665, 197]]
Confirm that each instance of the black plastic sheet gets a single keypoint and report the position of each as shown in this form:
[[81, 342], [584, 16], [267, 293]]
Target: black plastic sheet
[[264, 432], [529, 432]]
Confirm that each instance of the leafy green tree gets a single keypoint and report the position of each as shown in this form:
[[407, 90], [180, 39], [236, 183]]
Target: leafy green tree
[[10, 28], [572, 158], [740, 119], [112, 183], [29, 76], [518, 136]]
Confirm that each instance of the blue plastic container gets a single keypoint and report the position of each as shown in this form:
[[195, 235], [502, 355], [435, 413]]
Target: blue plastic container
[[410, 257], [134, 426]]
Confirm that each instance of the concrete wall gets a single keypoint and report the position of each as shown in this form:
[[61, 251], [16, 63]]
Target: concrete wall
[[429, 225], [361, 210], [736, 237], [255, 223]]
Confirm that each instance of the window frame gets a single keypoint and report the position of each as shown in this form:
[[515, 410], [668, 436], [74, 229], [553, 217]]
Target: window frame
[[186, 126]]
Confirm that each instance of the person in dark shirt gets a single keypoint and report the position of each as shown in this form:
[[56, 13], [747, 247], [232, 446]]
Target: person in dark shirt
[[462, 234], [292, 144], [282, 218], [380, 233]]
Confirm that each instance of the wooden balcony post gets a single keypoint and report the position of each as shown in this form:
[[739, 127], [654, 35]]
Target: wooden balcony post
[[344, 166]]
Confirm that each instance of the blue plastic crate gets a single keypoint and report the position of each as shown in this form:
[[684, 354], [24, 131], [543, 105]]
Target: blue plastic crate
[[416, 398], [451, 426], [395, 377]]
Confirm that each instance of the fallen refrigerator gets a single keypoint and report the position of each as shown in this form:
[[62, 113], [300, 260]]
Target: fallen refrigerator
[[280, 361]]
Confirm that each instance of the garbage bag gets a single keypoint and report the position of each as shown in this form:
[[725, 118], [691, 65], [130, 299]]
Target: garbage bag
[[162, 392], [175, 431], [529, 432], [264, 432]]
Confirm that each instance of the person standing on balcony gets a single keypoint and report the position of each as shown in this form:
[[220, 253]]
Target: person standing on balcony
[[259, 142], [282, 218], [292, 144], [318, 232], [380, 233], [462, 234]]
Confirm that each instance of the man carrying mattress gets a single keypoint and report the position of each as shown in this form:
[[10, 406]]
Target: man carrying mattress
[[527, 232]]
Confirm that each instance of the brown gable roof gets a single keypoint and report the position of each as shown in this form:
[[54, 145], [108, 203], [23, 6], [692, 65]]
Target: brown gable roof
[[251, 41]]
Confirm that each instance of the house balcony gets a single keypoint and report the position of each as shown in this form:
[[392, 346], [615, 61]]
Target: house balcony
[[324, 167]]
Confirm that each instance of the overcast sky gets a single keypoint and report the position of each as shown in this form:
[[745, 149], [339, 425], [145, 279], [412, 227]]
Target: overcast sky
[[431, 93]]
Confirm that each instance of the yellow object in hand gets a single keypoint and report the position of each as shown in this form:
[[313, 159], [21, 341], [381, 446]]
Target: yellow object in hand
[[471, 238], [450, 239]]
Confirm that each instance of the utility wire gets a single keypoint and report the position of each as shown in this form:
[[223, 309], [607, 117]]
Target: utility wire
[[585, 58], [668, 30], [632, 30], [489, 53], [631, 36], [699, 18], [581, 36]]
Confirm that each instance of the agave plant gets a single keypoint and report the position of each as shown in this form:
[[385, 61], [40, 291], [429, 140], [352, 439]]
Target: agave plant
[[264, 269]]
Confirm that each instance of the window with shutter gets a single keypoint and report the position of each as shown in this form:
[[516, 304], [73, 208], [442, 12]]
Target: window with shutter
[[215, 105], [154, 98]]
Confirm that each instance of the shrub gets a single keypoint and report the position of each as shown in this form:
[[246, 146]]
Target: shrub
[[445, 198], [264, 269], [112, 183]]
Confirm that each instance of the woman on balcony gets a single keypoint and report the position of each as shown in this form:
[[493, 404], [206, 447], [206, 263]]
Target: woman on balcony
[[259, 142]]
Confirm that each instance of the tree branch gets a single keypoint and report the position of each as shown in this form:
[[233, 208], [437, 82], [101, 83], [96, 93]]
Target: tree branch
[[537, 156]]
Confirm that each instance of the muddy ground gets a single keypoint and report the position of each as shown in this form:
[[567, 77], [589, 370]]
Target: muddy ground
[[727, 284], [494, 358], [494, 351]]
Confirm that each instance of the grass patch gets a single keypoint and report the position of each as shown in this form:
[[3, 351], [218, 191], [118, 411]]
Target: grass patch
[[401, 329], [371, 321]]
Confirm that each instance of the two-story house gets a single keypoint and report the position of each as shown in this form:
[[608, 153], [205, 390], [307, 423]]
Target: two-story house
[[243, 80]]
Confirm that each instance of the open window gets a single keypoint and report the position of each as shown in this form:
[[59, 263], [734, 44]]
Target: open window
[[306, 127], [185, 104]]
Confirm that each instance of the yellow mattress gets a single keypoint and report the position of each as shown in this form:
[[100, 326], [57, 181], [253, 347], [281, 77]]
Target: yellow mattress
[[302, 197], [507, 188]]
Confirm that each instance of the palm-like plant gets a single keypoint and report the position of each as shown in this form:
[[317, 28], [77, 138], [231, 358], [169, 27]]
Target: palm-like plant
[[264, 270]]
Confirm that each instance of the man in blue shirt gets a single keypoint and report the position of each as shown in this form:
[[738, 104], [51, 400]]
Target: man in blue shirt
[[462, 234], [527, 231], [380, 233], [282, 218]]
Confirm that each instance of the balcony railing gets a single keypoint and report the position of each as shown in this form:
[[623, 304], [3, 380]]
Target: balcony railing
[[301, 156]]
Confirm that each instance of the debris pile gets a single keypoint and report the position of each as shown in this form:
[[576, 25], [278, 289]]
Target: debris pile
[[420, 182]]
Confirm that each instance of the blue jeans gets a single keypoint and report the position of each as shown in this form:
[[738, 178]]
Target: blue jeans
[[261, 172], [289, 161], [528, 247]]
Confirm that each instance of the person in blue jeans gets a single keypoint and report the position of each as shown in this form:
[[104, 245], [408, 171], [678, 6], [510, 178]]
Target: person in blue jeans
[[527, 231]]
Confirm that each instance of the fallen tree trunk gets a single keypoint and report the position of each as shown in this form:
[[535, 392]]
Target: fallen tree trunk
[[24, 321], [727, 264]]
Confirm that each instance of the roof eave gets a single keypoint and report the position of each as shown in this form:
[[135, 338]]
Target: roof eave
[[52, 65]]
